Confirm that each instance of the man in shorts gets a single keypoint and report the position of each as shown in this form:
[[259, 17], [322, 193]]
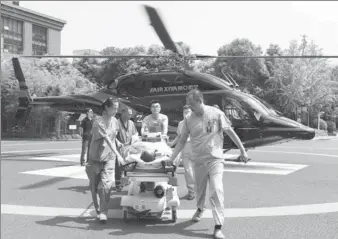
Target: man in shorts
[[205, 126]]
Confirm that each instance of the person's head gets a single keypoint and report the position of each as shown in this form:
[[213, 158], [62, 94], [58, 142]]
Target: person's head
[[110, 106], [195, 100], [126, 114], [89, 113], [155, 107], [186, 110]]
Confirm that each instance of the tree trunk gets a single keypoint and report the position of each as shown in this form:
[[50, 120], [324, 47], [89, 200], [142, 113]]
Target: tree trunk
[[57, 126]]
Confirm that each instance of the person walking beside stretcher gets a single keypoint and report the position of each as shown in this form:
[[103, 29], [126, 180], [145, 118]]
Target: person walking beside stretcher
[[102, 155], [185, 155], [206, 125]]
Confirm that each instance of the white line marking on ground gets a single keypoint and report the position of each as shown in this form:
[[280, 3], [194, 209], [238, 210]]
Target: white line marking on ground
[[30, 144], [302, 153], [38, 150], [76, 172], [295, 210], [299, 147], [263, 168]]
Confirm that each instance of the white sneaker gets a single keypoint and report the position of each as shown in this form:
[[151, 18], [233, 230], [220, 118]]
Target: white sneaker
[[218, 234], [103, 217]]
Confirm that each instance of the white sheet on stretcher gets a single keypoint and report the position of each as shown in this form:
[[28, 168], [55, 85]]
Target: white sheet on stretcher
[[133, 153]]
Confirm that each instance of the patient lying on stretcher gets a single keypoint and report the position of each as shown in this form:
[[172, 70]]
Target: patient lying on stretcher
[[148, 155]]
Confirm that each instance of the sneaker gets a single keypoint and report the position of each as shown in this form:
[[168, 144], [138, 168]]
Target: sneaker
[[190, 197], [119, 188], [218, 234], [103, 217], [197, 216]]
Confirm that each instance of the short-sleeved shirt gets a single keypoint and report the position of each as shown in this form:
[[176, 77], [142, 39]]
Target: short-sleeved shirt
[[126, 131], [156, 125], [206, 133], [99, 149], [87, 126]]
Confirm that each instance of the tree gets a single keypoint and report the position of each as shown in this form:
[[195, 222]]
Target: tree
[[301, 82], [273, 50], [250, 73], [44, 77]]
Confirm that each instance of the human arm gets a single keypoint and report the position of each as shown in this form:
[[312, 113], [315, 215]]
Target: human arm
[[100, 131], [181, 141], [179, 127], [225, 125], [144, 124], [165, 123], [134, 130]]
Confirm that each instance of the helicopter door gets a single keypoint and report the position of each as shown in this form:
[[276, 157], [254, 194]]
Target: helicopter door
[[241, 120]]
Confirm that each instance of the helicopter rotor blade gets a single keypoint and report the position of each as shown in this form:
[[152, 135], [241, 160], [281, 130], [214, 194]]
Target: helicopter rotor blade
[[160, 29], [229, 57], [91, 56]]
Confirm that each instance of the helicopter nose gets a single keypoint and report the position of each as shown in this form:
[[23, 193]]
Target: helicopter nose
[[306, 133]]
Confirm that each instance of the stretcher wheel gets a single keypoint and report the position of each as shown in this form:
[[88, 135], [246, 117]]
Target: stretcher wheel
[[125, 214], [173, 214]]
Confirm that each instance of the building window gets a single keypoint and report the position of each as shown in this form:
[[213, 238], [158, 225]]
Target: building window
[[39, 45], [12, 35]]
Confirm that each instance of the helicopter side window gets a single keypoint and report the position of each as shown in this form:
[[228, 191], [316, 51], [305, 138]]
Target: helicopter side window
[[234, 110]]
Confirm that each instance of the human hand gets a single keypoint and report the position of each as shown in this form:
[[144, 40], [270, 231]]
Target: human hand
[[244, 157]]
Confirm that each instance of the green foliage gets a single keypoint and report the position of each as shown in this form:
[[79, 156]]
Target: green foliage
[[250, 73], [52, 77], [301, 82], [331, 126], [322, 124]]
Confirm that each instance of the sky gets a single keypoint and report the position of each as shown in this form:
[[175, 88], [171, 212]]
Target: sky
[[205, 26]]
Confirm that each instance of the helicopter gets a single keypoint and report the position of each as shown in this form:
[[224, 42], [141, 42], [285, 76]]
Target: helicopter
[[254, 120]]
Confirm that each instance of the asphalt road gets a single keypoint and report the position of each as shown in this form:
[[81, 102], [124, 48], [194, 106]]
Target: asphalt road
[[287, 191]]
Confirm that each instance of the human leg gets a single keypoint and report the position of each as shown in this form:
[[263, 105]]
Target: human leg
[[118, 175], [93, 173], [188, 174], [104, 187], [83, 151], [89, 142], [200, 189], [216, 192]]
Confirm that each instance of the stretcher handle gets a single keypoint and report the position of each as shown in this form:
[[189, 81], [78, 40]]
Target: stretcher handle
[[128, 164], [169, 169]]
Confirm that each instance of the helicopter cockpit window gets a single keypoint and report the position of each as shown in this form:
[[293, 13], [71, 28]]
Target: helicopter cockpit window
[[234, 110]]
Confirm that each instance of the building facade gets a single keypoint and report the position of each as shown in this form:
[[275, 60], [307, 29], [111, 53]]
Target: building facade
[[27, 32]]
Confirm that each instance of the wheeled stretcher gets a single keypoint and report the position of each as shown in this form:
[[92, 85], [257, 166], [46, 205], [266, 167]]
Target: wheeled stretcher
[[152, 186]]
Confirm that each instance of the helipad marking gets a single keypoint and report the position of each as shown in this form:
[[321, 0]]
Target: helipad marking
[[76, 172], [289, 152], [37, 150], [294, 210]]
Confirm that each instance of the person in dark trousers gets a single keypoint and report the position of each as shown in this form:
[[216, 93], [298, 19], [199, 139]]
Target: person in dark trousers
[[127, 129], [87, 125]]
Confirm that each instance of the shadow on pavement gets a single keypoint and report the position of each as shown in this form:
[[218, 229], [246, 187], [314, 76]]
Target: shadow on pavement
[[151, 227], [43, 183], [19, 155], [78, 189]]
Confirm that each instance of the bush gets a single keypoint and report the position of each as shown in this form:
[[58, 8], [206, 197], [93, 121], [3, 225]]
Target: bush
[[322, 124], [331, 126]]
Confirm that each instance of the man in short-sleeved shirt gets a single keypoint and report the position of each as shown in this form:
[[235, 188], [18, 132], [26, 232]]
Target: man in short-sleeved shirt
[[87, 125], [206, 125], [156, 122]]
